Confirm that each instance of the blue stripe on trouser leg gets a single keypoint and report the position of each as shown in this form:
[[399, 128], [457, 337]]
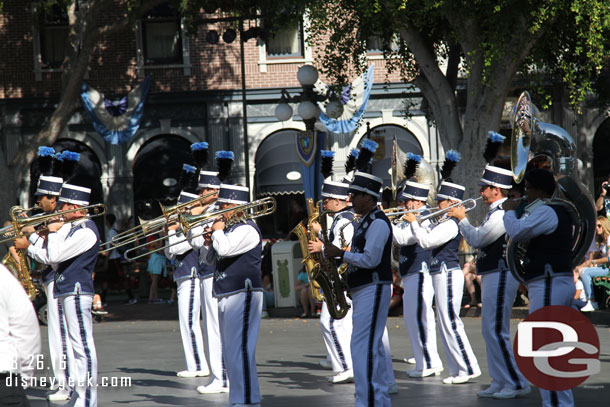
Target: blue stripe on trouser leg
[[364, 300], [420, 323], [454, 327], [191, 328], [555, 290], [508, 363], [244, 349]]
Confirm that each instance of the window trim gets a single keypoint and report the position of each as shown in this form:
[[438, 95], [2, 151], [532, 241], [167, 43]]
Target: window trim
[[142, 67], [307, 58]]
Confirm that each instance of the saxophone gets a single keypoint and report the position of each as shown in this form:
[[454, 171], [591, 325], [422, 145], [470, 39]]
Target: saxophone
[[20, 268], [322, 272]]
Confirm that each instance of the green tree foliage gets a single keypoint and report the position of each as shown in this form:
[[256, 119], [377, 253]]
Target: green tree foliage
[[490, 44]]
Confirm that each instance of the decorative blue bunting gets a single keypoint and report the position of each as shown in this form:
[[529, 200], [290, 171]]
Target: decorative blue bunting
[[116, 121]]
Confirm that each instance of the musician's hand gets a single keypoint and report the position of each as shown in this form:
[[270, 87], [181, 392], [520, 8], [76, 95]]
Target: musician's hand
[[409, 217], [173, 226], [315, 226], [28, 230], [54, 227], [218, 225], [331, 251], [22, 243], [315, 246], [458, 212], [207, 236], [197, 210], [511, 204]]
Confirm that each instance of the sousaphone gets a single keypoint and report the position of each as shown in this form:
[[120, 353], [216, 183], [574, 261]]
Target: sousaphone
[[552, 148]]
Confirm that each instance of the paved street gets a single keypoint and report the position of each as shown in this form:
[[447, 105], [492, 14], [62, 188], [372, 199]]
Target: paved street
[[148, 350]]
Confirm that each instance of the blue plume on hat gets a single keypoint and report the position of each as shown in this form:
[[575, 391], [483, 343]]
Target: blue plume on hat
[[224, 163], [494, 142], [367, 150], [188, 178], [328, 158], [451, 159], [199, 152], [45, 160], [413, 161], [69, 164]]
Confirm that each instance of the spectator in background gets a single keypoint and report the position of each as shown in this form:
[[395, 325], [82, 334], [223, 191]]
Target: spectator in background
[[157, 267], [305, 295], [113, 271], [602, 204], [598, 265], [470, 274], [580, 298]]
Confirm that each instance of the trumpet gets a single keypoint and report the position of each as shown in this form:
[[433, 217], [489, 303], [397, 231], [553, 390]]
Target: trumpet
[[439, 216], [232, 216], [151, 227], [395, 214], [41, 221]]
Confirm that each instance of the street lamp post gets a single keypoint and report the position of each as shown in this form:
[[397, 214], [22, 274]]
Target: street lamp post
[[308, 107]]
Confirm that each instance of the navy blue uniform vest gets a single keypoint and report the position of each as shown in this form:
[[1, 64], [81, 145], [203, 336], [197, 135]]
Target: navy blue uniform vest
[[349, 215], [553, 249], [412, 256], [492, 256], [205, 270], [75, 275], [239, 273], [187, 265], [47, 275], [446, 253], [382, 273]]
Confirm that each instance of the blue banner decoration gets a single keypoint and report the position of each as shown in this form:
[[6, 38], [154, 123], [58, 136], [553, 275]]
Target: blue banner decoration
[[308, 149], [116, 121], [354, 99]]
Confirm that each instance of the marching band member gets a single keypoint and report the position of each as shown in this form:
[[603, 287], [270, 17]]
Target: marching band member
[[237, 251], [209, 183], [369, 277], [337, 332], [498, 286], [548, 257], [418, 290], [74, 248], [448, 282], [186, 276], [60, 348]]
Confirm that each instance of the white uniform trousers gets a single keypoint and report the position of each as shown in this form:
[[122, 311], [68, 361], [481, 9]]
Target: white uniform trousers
[[189, 308], [448, 289], [77, 313], [558, 290], [498, 291], [389, 367], [419, 318], [60, 347], [211, 332], [337, 334], [240, 317], [371, 305]]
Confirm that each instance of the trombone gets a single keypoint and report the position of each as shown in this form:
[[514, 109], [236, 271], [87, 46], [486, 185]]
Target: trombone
[[151, 227], [43, 220], [439, 216], [232, 215]]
